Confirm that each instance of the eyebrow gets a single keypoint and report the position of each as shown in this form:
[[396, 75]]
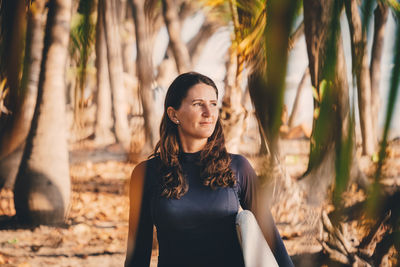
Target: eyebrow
[[199, 99]]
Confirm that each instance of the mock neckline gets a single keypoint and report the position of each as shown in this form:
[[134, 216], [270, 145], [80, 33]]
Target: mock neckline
[[190, 156]]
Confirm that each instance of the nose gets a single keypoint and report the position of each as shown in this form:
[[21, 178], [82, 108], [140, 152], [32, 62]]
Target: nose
[[206, 111]]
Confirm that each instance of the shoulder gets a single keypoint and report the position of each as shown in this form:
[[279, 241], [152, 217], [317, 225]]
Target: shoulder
[[246, 179], [146, 171], [240, 163], [145, 165]]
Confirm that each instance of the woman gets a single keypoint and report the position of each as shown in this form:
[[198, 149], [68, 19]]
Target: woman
[[192, 187]]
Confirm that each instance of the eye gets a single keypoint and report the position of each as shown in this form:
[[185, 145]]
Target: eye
[[197, 104], [214, 104]]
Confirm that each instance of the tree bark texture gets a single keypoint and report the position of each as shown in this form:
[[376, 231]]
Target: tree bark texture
[[300, 87], [13, 24], [145, 76], [380, 18], [12, 28], [128, 44], [233, 112], [179, 48], [165, 72], [199, 41], [361, 70], [116, 74], [13, 139], [42, 188], [104, 120], [333, 120], [295, 36]]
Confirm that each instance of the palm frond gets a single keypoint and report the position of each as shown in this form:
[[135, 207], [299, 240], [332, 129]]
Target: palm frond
[[394, 5], [218, 10], [4, 90], [214, 3], [252, 46]]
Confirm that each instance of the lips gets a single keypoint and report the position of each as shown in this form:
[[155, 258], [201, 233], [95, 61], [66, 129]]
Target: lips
[[206, 123]]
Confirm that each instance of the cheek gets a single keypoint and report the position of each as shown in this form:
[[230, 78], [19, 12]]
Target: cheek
[[216, 113], [189, 116]]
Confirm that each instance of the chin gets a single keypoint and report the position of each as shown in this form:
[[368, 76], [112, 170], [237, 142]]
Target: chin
[[204, 134]]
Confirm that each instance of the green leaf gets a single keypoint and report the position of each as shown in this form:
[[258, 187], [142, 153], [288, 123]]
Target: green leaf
[[315, 93], [394, 5], [375, 157], [322, 89], [13, 241], [316, 113]]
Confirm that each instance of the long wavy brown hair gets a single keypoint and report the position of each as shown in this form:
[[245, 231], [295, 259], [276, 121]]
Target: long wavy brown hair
[[214, 158]]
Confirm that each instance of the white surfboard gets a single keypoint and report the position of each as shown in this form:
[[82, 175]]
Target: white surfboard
[[256, 251]]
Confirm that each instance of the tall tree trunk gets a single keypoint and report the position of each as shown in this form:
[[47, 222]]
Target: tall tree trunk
[[233, 112], [116, 73], [295, 36], [166, 71], [381, 15], [128, 45], [104, 120], [199, 41], [179, 48], [327, 65], [12, 27], [13, 139], [300, 87], [12, 34], [127, 39], [145, 77], [42, 188], [361, 71], [317, 21]]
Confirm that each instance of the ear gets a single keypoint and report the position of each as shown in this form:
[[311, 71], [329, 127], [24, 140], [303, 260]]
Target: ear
[[172, 115]]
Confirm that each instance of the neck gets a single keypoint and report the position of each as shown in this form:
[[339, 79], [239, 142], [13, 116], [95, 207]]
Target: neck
[[190, 145]]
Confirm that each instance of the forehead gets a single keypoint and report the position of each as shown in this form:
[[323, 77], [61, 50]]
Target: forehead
[[201, 91]]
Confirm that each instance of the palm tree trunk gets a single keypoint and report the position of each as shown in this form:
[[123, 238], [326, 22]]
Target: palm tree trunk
[[104, 121], [232, 113], [179, 48], [128, 45], [300, 87], [42, 188], [199, 41], [145, 76], [11, 48], [333, 122], [116, 73], [295, 36], [12, 26], [361, 70], [381, 15], [13, 140]]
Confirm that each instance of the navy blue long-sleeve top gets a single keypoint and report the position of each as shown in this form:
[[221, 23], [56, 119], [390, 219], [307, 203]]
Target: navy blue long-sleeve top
[[199, 228]]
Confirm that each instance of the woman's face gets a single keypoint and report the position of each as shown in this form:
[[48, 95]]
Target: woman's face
[[197, 115]]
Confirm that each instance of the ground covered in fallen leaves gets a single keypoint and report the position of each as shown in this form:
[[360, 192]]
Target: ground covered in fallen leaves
[[96, 230]]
